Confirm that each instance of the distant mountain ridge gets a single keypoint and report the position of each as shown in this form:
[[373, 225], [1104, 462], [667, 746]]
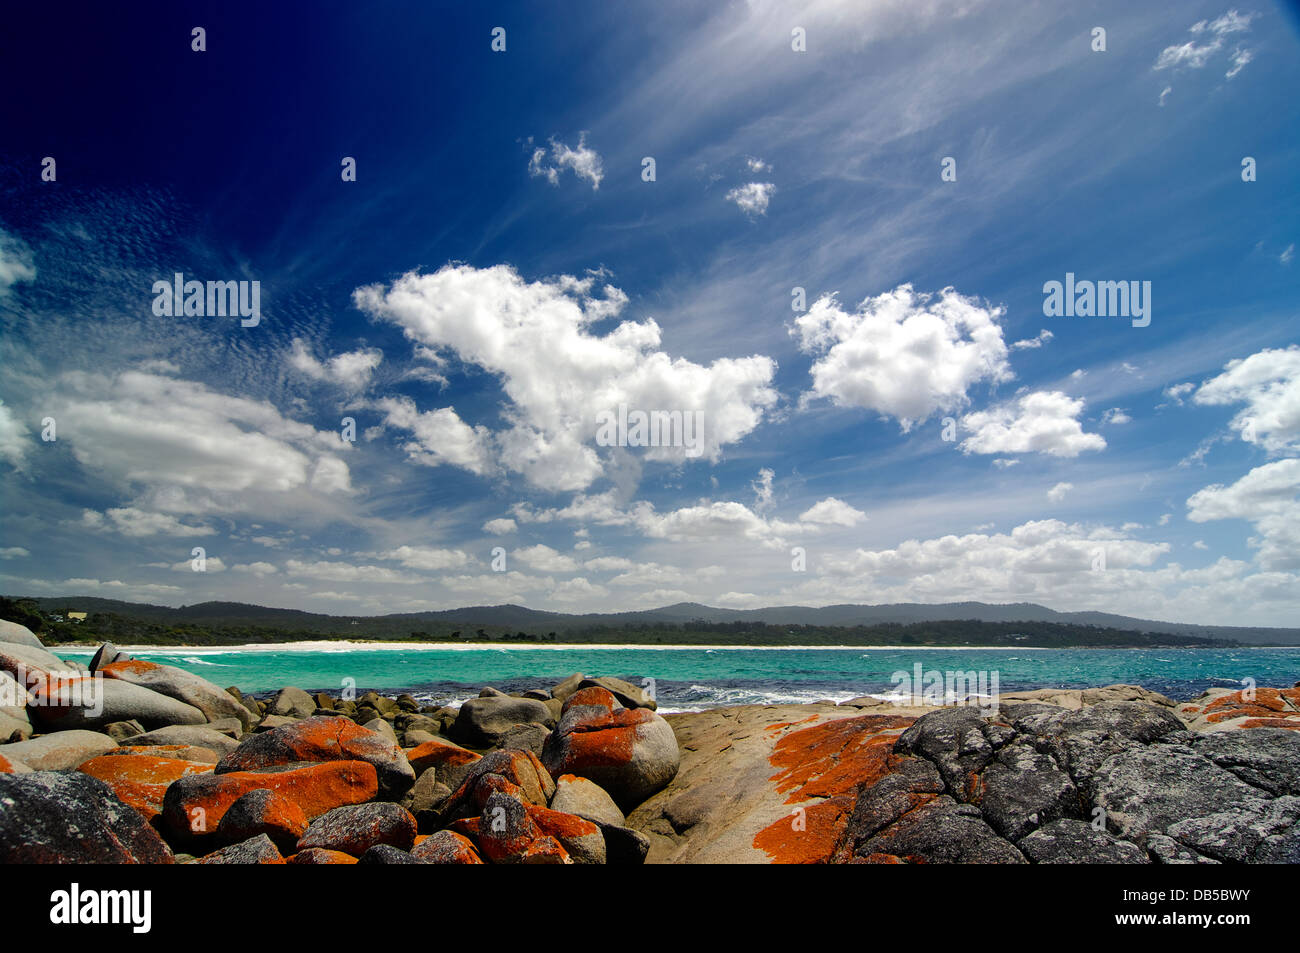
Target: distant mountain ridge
[[515, 617]]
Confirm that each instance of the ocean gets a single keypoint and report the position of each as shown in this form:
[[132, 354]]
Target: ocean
[[695, 678]]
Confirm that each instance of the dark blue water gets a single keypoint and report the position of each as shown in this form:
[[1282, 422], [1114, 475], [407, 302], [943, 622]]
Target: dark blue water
[[697, 678]]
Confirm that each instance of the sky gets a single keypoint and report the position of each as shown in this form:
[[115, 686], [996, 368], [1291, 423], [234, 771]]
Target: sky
[[826, 232]]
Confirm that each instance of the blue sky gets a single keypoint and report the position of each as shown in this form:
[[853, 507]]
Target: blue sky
[[501, 272]]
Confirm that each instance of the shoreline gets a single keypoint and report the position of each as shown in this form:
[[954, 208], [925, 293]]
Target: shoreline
[[340, 646]]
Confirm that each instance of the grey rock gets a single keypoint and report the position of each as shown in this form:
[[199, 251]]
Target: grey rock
[[629, 695], [293, 702], [114, 700], [586, 799], [623, 845], [483, 721], [942, 832], [51, 817], [1023, 789], [1247, 832], [201, 736], [356, 828], [1147, 789], [567, 687], [388, 854], [953, 739], [530, 737], [59, 750], [1266, 758], [1068, 841], [15, 634], [255, 850], [1166, 850]]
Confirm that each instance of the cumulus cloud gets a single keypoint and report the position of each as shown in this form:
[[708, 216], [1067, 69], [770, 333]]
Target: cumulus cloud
[[752, 198], [584, 161], [1037, 422], [904, 355], [1116, 415], [500, 527], [545, 559], [833, 512], [440, 436], [133, 522], [1029, 343], [762, 488], [350, 370], [558, 375], [260, 569], [1266, 497], [1057, 493], [1268, 383], [193, 449]]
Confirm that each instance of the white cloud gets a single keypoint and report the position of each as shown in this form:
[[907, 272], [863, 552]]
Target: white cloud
[[1266, 497], [545, 559], [762, 488], [13, 438], [1057, 493], [756, 165], [133, 522], [346, 572], [260, 569], [583, 160], [441, 437], [210, 564], [191, 448], [1037, 422], [558, 375], [1209, 37], [1288, 254], [350, 370], [1268, 383], [1116, 415], [14, 552], [576, 589], [833, 512], [16, 262], [903, 355], [1176, 392], [1029, 343], [429, 558], [752, 198], [500, 527]]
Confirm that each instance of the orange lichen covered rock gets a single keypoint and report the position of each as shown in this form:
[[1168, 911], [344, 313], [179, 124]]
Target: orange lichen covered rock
[[829, 761], [446, 847], [195, 804], [326, 738], [630, 752], [520, 768], [581, 839], [318, 855], [450, 761], [141, 780], [179, 752], [263, 811], [358, 827]]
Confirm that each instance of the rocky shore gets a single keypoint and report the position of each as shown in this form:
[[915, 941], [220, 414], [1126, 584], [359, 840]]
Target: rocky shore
[[166, 767]]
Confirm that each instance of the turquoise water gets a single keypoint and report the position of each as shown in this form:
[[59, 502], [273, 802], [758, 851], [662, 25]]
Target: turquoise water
[[696, 678]]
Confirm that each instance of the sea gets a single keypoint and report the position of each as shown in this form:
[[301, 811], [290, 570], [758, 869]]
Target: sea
[[693, 678]]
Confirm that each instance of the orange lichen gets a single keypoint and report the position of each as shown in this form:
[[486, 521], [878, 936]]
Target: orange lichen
[[778, 725], [316, 788], [829, 761], [141, 780]]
